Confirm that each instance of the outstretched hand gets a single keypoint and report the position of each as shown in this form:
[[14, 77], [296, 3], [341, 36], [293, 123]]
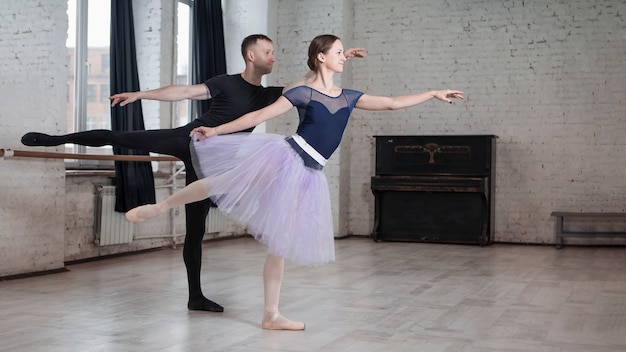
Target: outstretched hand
[[124, 98], [202, 132], [354, 52], [445, 95]]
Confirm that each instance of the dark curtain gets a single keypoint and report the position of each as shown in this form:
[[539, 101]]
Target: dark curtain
[[134, 181], [209, 54]]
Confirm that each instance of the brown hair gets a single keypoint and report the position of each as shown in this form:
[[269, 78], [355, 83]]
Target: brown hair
[[319, 44], [250, 41]]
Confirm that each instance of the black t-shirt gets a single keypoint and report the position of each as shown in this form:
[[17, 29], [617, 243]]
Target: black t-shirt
[[233, 97]]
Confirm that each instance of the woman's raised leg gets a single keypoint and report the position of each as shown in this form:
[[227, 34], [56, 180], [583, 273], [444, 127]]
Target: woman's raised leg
[[193, 192]]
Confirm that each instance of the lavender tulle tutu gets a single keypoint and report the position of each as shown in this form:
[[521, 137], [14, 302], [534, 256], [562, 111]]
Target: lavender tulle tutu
[[259, 180]]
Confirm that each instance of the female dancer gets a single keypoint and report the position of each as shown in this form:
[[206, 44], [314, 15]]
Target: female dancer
[[275, 184]]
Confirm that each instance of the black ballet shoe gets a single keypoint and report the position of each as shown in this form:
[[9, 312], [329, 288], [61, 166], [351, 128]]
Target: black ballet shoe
[[35, 139], [205, 304]]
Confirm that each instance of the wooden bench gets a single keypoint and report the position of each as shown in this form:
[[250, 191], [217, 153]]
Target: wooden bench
[[560, 232]]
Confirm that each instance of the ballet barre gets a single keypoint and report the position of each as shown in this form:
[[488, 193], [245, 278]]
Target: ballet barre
[[9, 153]]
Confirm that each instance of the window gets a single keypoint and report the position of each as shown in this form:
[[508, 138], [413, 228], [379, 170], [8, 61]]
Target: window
[[88, 53], [183, 108], [88, 46]]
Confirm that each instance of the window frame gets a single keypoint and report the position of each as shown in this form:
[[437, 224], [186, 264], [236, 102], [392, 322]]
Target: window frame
[[80, 115], [189, 106], [81, 73]]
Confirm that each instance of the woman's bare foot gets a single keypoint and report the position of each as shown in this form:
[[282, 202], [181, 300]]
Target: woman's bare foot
[[275, 321]]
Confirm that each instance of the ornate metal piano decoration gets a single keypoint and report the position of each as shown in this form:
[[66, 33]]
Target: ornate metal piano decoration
[[434, 188]]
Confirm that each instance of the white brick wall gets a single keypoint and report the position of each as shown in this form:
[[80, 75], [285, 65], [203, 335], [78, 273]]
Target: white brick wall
[[546, 77], [156, 55], [33, 90], [39, 231]]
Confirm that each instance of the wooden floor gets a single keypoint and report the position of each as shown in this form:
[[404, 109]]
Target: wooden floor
[[375, 297]]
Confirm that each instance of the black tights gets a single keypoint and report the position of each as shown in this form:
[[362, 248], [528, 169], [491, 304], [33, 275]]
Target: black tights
[[174, 142]]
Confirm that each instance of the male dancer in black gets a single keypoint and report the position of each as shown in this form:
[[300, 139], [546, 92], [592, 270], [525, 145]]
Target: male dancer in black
[[231, 96]]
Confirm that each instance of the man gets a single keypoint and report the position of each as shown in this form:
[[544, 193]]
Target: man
[[231, 96]]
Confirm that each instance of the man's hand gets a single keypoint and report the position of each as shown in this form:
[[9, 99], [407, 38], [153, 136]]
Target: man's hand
[[354, 52], [124, 98]]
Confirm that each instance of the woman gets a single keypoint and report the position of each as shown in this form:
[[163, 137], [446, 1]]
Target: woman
[[275, 184]]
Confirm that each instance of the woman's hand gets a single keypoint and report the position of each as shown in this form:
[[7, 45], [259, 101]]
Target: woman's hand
[[202, 132], [445, 95]]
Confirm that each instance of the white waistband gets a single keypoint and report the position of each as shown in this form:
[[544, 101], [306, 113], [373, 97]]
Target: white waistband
[[309, 150]]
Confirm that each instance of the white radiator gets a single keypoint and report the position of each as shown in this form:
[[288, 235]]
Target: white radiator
[[110, 227], [215, 221]]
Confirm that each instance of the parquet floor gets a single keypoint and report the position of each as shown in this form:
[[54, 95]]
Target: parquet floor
[[375, 297]]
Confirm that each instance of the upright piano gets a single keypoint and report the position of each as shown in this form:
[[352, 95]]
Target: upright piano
[[434, 188]]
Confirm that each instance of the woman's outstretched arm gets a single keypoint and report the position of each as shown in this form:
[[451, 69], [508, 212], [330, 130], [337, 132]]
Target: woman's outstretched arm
[[371, 102], [251, 119]]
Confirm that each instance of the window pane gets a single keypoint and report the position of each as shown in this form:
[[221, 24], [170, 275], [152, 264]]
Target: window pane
[[89, 67], [105, 92], [183, 108], [70, 44], [98, 48], [92, 92]]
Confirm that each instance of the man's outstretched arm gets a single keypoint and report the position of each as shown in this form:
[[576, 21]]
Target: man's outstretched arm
[[169, 93]]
